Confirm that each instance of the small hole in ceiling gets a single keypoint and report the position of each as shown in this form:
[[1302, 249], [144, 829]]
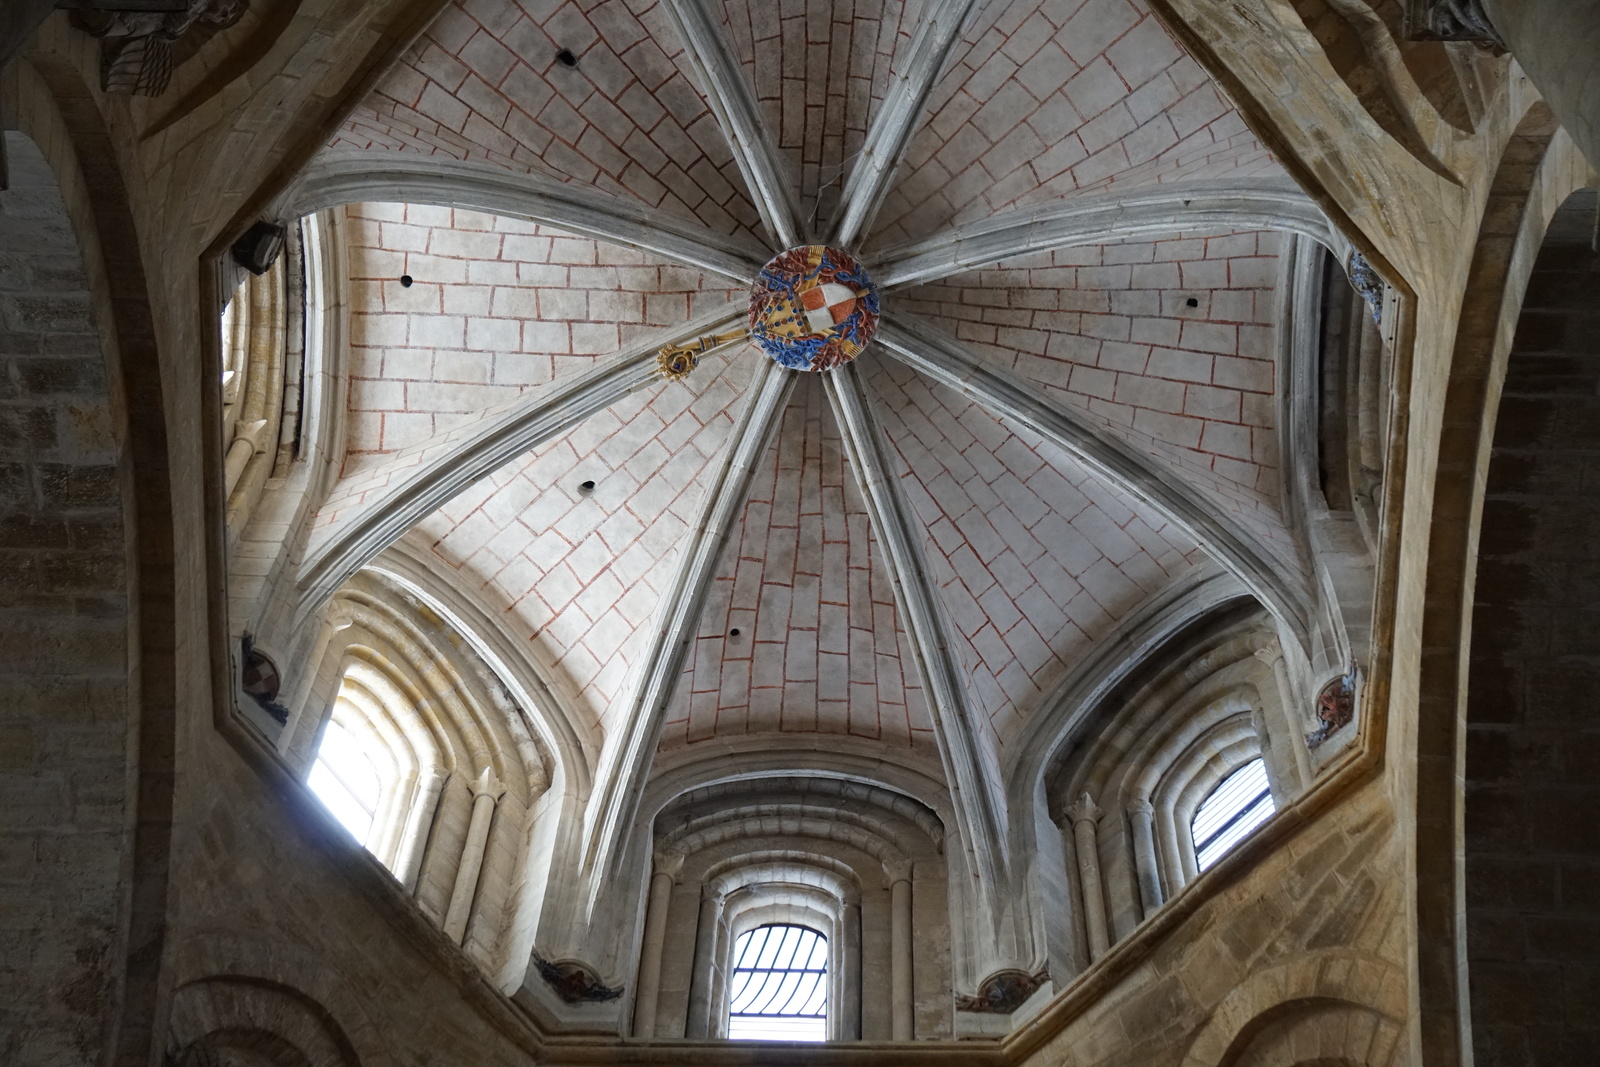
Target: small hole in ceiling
[[733, 632], [566, 58], [405, 280], [1192, 302], [586, 487]]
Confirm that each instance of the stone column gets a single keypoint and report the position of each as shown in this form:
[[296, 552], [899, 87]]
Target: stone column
[[648, 987], [247, 442], [1085, 816], [850, 980], [705, 950], [1141, 814], [1272, 654], [1171, 852], [486, 792], [300, 733], [901, 1026], [408, 861], [1281, 794]]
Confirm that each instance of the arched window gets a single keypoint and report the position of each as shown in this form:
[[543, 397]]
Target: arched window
[[1242, 802], [779, 990], [346, 779]]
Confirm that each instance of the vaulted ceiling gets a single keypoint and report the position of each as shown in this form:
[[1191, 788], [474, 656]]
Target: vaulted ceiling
[[1073, 401]]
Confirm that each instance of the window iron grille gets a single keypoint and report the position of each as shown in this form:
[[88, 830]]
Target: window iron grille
[[779, 985], [1240, 804]]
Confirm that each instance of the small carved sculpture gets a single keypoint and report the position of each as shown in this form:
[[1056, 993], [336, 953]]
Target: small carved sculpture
[[573, 982], [1003, 992], [260, 680], [1336, 707], [1458, 20], [258, 249], [141, 63], [1365, 281]]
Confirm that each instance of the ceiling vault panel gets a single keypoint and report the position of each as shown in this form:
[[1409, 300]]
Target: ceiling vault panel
[[372, 511], [801, 634], [629, 755], [949, 363]]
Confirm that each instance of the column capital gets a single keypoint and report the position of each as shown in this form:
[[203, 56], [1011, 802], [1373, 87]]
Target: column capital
[[486, 784], [1141, 806], [668, 862], [1270, 653], [1084, 809]]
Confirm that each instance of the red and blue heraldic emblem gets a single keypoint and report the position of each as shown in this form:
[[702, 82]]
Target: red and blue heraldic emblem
[[813, 308]]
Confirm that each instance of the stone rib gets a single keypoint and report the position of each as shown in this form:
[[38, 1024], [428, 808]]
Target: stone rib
[[734, 103], [975, 793], [396, 178], [898, 118]]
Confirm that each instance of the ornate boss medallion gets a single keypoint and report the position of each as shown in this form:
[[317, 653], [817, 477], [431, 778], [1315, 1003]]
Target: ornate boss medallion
[[813, 308]]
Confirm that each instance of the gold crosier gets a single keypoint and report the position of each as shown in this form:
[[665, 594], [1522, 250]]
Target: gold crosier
[[676, 361]]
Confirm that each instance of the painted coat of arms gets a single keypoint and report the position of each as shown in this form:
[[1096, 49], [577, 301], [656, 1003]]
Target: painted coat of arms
[[813, 308]]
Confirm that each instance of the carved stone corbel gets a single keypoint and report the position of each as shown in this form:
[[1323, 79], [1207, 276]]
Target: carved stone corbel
[[574, 982], [1453, 20], [1336, 707], [1366, 281], [138, 59]]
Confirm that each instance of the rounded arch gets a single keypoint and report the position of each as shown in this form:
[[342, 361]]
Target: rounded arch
[[856, 859], [1123, 789], [58, 117], [1315, 1032], [563, 731], [461, 820], [870, 764], [1320, 991], [256, 1020], [1530, 768], [823, 873], [1538, 169]]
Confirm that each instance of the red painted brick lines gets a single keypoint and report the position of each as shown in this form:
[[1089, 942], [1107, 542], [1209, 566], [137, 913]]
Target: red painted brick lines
[[483, 83], [496, 306], [1034, 558], [582, 573], [819, 68], [1109, 328], [1064, 97], [819, 648]]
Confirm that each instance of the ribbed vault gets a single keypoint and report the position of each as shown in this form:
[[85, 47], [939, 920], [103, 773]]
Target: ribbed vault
[[1071, 409]]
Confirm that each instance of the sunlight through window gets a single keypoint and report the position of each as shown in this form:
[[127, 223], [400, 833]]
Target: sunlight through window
[[1240, 804], [345, 779], [780, 985]]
